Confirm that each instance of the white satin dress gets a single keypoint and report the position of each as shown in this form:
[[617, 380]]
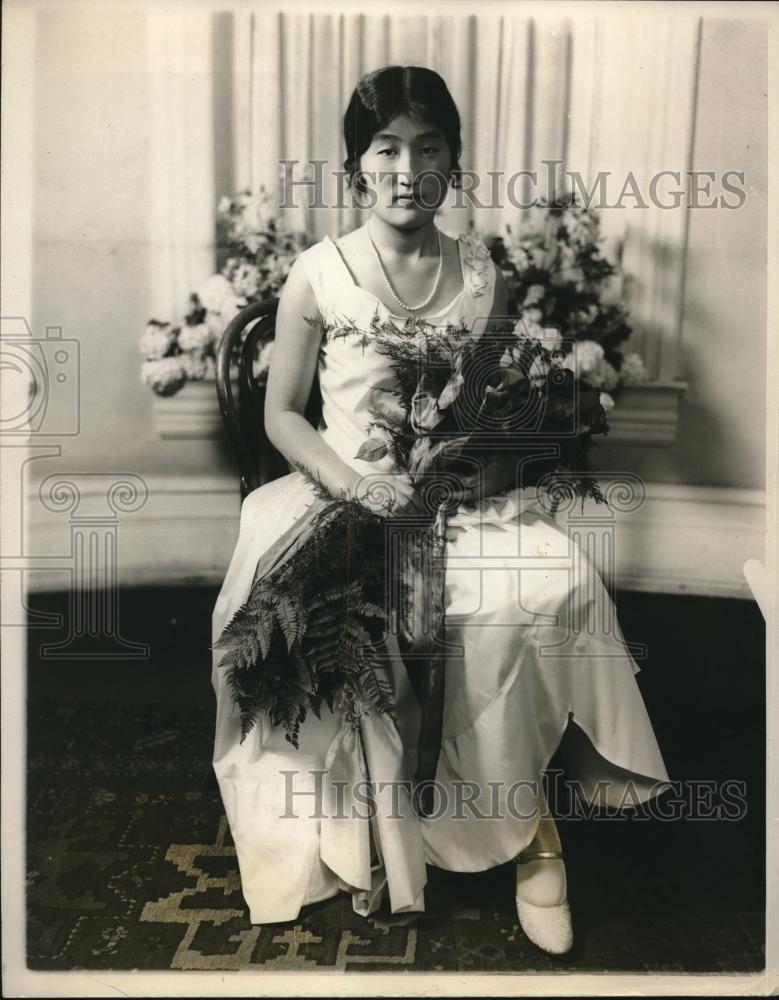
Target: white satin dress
[[527, 616]]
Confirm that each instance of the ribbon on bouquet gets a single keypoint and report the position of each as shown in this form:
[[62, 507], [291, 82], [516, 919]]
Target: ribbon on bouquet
[[418, 573]]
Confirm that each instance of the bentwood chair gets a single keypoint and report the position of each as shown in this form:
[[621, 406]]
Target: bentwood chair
[[258, 460]]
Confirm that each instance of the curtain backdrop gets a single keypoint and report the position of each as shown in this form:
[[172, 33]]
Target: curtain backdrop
[[612, 92]]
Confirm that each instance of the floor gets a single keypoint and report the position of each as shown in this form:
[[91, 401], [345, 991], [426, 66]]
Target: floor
[[131, 865]]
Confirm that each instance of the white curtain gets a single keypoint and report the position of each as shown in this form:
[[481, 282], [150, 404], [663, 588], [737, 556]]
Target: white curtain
[[608, 92], [182, 197]]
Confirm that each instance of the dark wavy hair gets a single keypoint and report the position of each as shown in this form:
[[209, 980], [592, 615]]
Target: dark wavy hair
[[381, 96]]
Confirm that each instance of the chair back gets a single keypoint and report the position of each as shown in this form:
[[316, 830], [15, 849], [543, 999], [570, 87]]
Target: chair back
[[258, 460]]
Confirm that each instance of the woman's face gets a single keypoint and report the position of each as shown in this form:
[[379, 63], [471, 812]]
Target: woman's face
[[406, 171]]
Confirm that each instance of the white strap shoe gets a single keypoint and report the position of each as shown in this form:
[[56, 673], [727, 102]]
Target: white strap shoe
[[548, 927]]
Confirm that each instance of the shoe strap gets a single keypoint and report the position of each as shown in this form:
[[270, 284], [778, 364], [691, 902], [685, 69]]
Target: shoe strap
[[525, 856]]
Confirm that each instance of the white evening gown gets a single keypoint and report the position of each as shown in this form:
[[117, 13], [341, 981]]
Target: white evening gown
[[508, 697]]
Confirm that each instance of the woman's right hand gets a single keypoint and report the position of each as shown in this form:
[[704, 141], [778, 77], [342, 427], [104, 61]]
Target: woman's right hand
[[389, 495]]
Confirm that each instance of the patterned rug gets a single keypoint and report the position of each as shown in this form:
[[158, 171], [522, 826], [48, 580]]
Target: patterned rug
[[131, 864]]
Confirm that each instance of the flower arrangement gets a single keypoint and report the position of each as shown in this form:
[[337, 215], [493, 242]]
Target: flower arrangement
[[314, 624], [555, 274], [259, 250], [557, 281]]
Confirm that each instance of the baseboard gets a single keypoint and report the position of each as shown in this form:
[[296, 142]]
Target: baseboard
[[683, 539]]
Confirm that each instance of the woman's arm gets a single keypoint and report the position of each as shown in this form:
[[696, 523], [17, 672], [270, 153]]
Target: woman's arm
[[291, 376]]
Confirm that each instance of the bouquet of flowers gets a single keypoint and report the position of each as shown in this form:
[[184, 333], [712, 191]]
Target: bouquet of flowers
[[461, 405], [557, 277], [258, 251]]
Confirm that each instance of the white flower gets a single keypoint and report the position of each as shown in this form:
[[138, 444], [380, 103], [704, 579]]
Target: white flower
[[587, 360], [216, 325], [527, 327], [156, 340], [165, 376], [585, 357], [194, 366], [533, 315], [242, 199], [225, 204], [633, 370], [195, 338], [605, 376], [246, 281], [218, 296], [519, 257], [534, 294], [606, 401], [575, 275]]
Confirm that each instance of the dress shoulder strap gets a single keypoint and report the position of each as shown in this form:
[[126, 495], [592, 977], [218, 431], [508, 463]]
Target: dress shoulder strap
[[326, 273]]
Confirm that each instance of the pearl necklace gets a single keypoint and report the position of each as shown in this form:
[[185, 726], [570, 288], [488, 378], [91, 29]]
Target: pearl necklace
[[388, 283]]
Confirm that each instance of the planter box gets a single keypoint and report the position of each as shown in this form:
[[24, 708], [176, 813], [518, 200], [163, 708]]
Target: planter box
[[193, 412], [646, 414]]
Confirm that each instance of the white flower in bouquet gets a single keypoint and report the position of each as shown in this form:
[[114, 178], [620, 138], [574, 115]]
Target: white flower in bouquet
[[216, 325], [584, 358], [241, 200], [217, 295], [519, 257], [605, 376], [587, 360], [567, 257], [246, 281], [574, 275], [251, 240], [606, 401], [526, 327], [261, 365], [165, 375], [633, 370], [259, 212], [194, 366], [534, 294], [196, 338], [156, 340], [581, 225], [532, 315]]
